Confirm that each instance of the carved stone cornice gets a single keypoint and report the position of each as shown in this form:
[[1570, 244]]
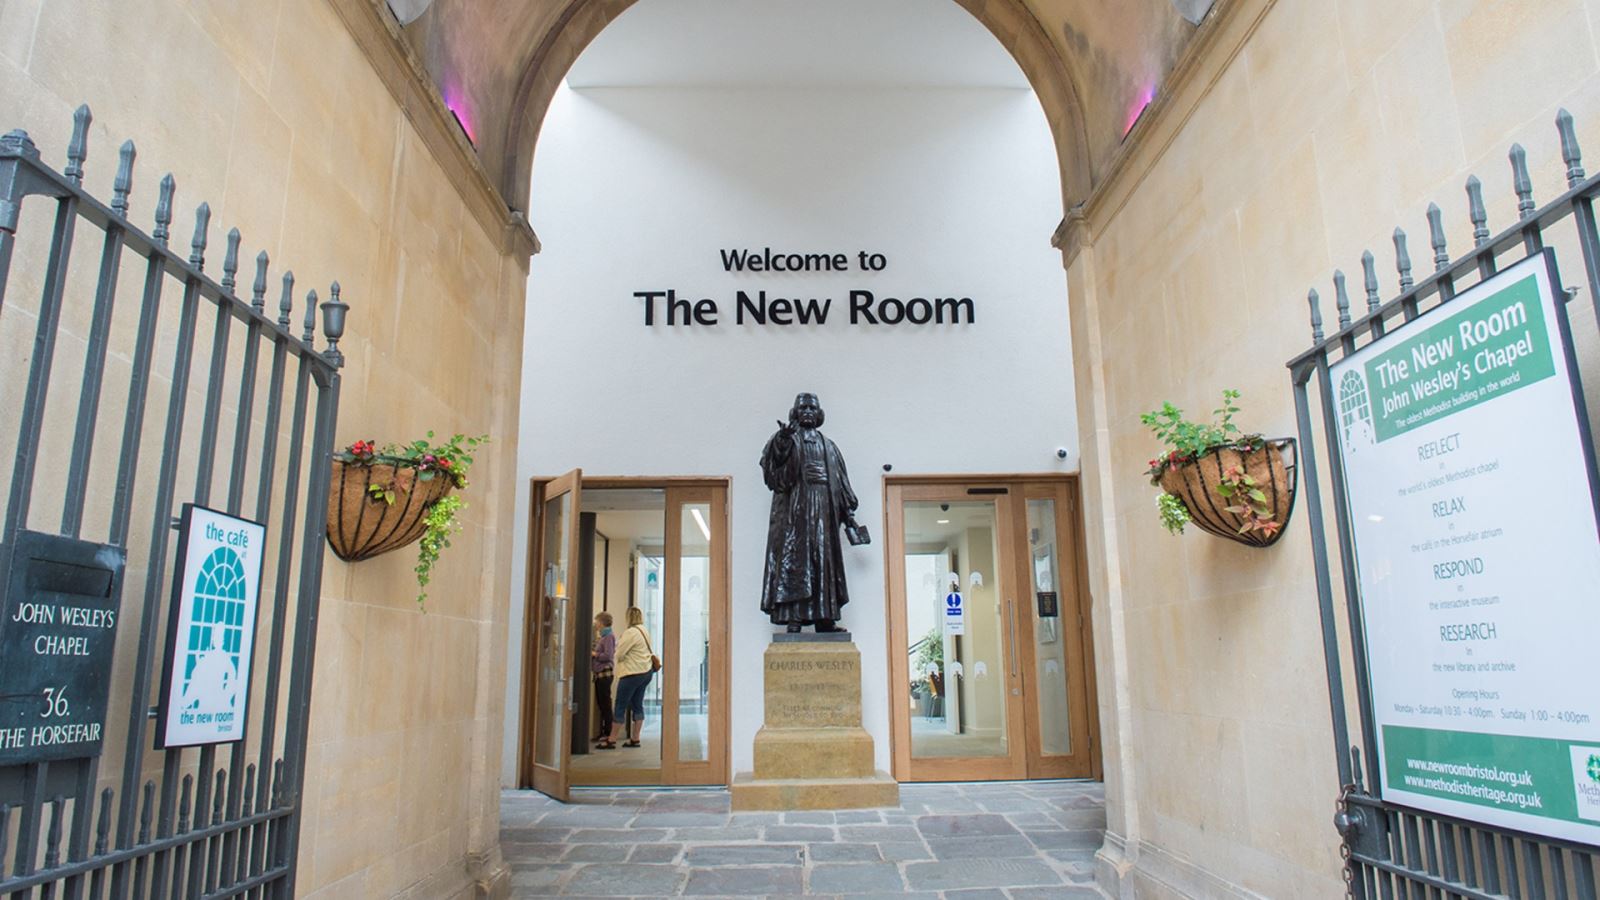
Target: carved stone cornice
[[401, 70], [1221, 37]]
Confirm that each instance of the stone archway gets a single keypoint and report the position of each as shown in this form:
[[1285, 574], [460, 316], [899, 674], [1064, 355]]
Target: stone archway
[[1010, 21]]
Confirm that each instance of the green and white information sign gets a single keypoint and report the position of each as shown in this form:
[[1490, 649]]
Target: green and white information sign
[[211, 629], [1478, 559]]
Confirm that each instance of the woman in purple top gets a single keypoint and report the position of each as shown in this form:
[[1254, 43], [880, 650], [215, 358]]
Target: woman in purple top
[[600, 660]]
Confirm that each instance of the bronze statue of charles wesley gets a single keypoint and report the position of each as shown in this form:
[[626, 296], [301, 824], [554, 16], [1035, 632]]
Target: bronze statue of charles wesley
[[812, 502]]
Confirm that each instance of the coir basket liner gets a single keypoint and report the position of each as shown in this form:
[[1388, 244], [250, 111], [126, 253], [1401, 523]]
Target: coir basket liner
[[1273, 465], [361, 526]]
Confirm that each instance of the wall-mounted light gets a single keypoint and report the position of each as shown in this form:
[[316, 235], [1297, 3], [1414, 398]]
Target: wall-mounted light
[[408, 11], [461, 123], [1193, 10], [1146, 97]]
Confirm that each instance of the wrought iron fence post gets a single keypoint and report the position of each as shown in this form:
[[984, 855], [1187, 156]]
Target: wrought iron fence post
[[15, 177], [313, 553]]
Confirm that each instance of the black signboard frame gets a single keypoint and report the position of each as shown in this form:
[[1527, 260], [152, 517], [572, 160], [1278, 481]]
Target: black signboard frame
[[90, 577]]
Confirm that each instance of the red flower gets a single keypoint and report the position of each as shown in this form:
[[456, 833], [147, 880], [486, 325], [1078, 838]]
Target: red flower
[[362, 449], [444, 463]]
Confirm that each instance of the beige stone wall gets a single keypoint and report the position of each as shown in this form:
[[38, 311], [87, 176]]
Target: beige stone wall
[[1334, 123], [270, 111]]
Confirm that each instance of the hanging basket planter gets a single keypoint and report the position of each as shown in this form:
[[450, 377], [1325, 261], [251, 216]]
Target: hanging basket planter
[[362, 523], [382, 500], [1201, 485]]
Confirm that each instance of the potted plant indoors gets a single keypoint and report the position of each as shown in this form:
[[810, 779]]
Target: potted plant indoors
[[1234, 485], [384, 499]]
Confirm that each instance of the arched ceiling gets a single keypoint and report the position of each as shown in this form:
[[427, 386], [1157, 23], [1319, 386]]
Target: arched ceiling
[[1093, 63]]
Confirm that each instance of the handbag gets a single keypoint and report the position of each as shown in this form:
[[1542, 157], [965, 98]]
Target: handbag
[[655, 661]]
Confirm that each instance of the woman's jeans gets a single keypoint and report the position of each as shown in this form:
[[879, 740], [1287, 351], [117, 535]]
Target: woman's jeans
[[630, 695], [602, 697]]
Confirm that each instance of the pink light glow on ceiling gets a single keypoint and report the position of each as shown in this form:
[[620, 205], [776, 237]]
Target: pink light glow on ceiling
[[1146, 97], [454, 102]]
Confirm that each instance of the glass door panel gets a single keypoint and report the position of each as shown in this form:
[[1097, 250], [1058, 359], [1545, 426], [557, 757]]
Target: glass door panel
[[694, 679], [651, 600], [957, 707], [694, 632], [631, 534], [1056, 671], [960, 654], [1049, 649]]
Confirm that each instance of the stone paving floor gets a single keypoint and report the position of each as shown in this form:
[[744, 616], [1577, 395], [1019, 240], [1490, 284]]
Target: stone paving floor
[[1023, 841]]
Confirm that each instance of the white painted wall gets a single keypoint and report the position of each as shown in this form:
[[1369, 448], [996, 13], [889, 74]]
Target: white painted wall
[[639, 188]]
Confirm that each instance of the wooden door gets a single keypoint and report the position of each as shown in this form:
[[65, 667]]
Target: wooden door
[[1052, 632], [1004, 692], [551, 631], [691, 612], [694, 670]]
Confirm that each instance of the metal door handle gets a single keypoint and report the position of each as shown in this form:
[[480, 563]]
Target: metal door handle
[[1011, 618]]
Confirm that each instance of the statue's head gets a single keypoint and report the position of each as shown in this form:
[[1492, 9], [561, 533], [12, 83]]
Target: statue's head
[[807, 412]]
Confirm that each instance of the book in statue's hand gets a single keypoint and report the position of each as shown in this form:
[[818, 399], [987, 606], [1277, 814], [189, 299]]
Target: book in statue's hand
[[857, 534]]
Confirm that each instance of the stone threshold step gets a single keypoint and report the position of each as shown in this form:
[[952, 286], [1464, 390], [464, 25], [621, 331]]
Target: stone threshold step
[[809, 753], [752, 794]]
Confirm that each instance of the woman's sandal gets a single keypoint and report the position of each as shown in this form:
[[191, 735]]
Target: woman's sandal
[[605, 745], [630, 743]]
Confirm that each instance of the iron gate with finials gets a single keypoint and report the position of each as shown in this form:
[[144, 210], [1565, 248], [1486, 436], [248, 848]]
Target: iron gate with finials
[[1392, 850], [95, 359]]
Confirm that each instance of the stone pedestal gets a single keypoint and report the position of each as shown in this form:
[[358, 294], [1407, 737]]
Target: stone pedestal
[[811, 752]]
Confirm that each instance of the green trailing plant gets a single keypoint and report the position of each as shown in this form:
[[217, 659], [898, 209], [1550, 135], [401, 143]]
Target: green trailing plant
[[931, 650], [440, 524], [1174, 515], [451, 459]]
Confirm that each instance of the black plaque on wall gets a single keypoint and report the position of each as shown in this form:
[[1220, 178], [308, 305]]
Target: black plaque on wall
[[58, 630], [1049, 607]]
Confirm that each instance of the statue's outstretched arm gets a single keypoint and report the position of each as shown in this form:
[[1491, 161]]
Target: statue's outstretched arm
[[775, 458]]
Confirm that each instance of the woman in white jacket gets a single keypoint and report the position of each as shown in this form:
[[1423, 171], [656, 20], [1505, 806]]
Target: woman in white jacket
[[633, 670]]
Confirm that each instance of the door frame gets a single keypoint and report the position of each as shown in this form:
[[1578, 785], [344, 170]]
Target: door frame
[[1072, 546], [717, 767]]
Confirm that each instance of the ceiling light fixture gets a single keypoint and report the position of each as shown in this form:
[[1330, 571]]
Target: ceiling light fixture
[[701, 521]]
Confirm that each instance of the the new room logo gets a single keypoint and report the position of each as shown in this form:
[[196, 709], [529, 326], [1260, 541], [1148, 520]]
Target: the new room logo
[[1355, 410], [1586, 781], [216, 633]]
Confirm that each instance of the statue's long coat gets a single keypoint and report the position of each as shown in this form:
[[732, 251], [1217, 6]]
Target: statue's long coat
[[805, 579]]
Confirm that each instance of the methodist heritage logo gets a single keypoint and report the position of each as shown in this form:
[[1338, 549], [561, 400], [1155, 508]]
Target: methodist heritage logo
[[211, 657], [1586, 781]]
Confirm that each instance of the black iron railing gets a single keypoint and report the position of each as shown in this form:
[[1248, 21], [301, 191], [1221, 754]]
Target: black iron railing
[[1392, 851], [223, 820]]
